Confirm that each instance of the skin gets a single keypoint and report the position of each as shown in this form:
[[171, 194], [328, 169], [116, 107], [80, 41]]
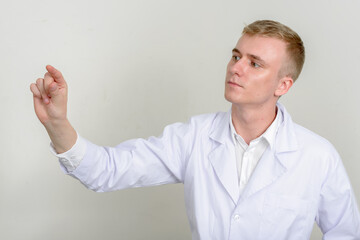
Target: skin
[[253, 84], [50, 96]]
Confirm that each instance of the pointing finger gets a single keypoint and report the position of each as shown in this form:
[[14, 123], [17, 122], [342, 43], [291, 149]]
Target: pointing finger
[[56, 74]]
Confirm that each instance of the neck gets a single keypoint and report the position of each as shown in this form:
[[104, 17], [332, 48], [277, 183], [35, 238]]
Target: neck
[[252, 121]]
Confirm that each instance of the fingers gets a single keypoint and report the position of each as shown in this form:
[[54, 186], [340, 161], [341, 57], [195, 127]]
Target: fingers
[[48, 79], [48, 87], [41, 89], [56, 74], [34, 89]]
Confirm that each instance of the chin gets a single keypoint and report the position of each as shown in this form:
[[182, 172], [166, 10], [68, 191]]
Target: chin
[[231, 98]]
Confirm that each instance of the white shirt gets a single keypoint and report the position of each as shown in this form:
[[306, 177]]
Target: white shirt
[[247, 156]]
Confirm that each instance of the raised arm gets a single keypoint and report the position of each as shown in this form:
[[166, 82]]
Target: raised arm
[[50, 102]]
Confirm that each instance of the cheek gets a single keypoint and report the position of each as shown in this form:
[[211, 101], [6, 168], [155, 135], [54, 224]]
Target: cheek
[[264, 83]]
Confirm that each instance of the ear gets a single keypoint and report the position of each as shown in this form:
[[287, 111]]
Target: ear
[[284, 85]]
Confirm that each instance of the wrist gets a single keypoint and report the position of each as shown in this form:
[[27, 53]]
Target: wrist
[[63, 136], [58, 123]]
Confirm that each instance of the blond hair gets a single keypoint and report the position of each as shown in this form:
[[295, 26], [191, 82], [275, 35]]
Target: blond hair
[[295, 46]]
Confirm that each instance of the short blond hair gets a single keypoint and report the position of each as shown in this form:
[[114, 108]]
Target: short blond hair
[[295, 46]]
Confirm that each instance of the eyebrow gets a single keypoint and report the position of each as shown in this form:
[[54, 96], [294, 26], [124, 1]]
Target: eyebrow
[[252, 56]]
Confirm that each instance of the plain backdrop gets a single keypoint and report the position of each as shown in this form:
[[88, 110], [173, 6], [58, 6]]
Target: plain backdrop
[[133, 67]]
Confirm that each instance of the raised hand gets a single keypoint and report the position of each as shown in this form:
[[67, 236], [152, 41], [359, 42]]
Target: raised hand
[[50, 96], [50, 102]]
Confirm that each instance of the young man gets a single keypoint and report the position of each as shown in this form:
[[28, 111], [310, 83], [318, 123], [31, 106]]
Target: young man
[[250, 173]]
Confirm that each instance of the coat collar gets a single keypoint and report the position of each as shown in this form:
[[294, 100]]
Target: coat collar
[[220, 131], [285, 138], [271, 166]]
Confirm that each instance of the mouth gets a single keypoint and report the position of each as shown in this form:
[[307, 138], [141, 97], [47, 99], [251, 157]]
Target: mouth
[[233, 84]]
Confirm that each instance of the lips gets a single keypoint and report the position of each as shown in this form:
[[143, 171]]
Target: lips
[[234, 84]]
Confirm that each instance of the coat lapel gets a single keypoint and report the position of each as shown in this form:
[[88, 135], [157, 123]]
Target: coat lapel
[[222, 156], [274, 162], [267, 171], [272, 165]]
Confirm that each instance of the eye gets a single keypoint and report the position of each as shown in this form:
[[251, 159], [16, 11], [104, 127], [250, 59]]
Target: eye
[[236, 58], [254, 64]]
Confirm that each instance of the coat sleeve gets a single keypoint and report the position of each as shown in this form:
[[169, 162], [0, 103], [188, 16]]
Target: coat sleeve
[[137, 162], [338, 215]]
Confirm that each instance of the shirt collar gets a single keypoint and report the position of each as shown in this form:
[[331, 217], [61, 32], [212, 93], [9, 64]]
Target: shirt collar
[[269, 135]]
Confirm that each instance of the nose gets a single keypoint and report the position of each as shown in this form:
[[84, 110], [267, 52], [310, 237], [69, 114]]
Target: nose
[[238, 67]]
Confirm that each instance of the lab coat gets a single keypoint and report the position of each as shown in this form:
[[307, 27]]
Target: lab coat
[[300, 180]]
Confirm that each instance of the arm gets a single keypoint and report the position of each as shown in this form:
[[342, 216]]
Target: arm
[[50, 103], [338, 215], [136, 162]]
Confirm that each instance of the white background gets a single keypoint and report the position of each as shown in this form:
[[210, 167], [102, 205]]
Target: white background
[[134, 67]]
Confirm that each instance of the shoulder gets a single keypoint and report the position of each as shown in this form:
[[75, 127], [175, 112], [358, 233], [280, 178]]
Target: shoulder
[[206, 124], [302, 137], [313, 153], [310, 139], [208, 119], [198, 124], [317, 150], [312, 148]]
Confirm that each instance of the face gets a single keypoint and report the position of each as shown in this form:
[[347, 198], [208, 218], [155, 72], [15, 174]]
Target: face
[[252, 76]]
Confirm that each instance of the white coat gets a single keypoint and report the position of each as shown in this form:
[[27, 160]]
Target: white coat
[[301, 180]]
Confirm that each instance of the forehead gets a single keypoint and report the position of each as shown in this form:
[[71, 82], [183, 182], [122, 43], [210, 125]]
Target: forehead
[[271, 50]]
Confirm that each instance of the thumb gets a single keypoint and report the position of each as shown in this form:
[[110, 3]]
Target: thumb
[[53, 89], [55, 94], [57, 97]]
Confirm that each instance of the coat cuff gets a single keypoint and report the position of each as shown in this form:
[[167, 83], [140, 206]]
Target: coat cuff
[[71, 159]]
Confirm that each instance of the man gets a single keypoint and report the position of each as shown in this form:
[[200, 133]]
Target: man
[[250, 173]]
